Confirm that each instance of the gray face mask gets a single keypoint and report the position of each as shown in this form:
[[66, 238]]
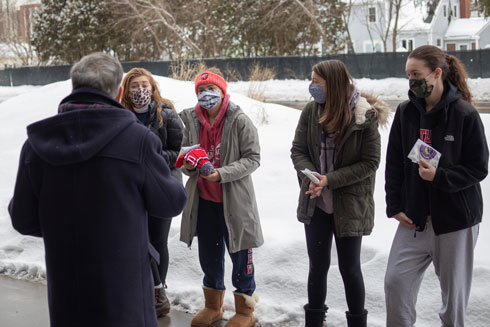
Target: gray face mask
[[209, 99], [317, 93], [420, 88]]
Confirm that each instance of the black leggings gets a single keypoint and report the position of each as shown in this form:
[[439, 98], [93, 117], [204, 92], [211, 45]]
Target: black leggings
[[158, 229], [319, 244]]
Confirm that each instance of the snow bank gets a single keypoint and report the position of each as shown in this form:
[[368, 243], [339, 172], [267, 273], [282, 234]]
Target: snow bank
[[391, 89]]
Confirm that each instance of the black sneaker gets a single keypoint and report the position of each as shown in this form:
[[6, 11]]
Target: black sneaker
[[162, 304]]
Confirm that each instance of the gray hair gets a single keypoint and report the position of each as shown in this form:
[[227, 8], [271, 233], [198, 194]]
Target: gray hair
[[98, 70]]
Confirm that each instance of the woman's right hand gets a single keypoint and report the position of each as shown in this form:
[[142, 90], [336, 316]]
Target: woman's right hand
[[402, 218], [315, 190]]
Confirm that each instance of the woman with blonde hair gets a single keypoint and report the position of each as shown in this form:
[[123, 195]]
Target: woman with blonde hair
[[142, 96]]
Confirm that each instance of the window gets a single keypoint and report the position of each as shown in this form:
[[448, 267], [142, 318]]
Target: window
[[450, 46], [455, 12], [372, 14], [438, 42], [407, 44], [445, 10], [369, 48], [463, 47]]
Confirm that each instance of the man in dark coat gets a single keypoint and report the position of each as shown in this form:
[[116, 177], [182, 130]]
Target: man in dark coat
[[88, 179]]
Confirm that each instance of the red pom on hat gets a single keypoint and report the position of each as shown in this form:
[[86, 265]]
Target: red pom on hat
[[211, 78]]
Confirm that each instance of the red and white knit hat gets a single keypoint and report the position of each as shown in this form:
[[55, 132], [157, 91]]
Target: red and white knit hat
[[211, 78]]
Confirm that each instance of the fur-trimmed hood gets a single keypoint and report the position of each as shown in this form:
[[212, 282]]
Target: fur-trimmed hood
[[368, 101]]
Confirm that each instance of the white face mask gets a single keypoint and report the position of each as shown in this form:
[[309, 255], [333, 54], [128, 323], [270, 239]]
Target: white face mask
[[209, 99], [140, 97]]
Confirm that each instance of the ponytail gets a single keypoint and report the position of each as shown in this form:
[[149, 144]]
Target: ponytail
[[452, 68], [457, 75]]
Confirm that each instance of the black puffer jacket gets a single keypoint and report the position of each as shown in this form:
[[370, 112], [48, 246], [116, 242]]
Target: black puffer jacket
[[170, 133], [453, 198]]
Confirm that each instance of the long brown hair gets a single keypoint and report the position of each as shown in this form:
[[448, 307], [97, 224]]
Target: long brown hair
[[126, 97], [452, 69], [336, 115]]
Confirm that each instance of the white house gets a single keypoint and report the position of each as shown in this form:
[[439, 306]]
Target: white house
[[448, 25]]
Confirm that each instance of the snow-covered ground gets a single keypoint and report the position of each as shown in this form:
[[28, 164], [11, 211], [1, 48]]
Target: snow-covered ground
[[281, 264], [392, 89]]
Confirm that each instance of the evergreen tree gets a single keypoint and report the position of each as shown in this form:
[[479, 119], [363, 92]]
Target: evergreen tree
[[66, 30]]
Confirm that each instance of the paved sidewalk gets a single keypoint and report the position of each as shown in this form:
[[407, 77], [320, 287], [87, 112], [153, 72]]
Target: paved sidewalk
[[24, 304]]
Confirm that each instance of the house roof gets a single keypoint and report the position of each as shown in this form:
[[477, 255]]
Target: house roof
[[466, 27], [412, 17]]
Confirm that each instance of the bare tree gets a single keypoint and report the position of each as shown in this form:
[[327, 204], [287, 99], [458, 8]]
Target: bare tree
[[397, 5], [346, 16], [387, 21], [151, 15], [311, 9]]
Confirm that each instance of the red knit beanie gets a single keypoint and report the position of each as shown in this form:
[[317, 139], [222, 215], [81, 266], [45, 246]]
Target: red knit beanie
[[211, 78]]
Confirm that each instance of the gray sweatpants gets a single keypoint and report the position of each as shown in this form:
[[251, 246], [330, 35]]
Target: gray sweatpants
[[452, 256]]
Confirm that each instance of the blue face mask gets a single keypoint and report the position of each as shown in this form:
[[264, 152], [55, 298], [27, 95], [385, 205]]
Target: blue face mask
[[209, 99], [317, 93]]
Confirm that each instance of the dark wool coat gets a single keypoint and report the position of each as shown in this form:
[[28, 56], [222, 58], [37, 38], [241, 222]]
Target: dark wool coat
[[356, 162], [453, 198], [88, 179]]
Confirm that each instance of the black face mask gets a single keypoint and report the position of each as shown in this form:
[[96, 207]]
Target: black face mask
[[420, 88]]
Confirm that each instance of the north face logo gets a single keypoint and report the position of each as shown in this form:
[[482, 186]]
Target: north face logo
[[449, 138]]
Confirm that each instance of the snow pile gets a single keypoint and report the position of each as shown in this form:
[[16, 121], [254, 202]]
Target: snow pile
[[7, 92], [391, 89], [281, 264]]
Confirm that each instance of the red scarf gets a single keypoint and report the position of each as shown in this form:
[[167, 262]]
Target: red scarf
[[210, 140]]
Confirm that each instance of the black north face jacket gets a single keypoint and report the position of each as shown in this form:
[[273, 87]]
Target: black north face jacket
[[88, 179], [453, 198]]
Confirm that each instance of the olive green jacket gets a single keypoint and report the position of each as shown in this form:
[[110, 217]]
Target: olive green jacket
[[239, 157], [357, 159]]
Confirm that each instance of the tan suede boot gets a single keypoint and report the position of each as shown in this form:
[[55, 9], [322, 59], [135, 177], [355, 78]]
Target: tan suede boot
[[213, 308], [244, 308]]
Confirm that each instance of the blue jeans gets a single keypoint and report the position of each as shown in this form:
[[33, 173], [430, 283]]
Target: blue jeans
[[212, 236]]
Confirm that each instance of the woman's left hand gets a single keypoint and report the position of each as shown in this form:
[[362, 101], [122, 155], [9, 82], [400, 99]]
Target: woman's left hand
[[426, 171], [315, 190], [213, 177]]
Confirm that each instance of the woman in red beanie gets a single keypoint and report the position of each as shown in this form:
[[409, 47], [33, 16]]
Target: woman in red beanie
[[221, 208]]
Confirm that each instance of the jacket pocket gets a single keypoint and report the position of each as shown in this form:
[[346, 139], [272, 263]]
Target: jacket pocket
[[453, 211]]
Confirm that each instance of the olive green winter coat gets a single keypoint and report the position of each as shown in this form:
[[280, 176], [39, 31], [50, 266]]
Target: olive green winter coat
[[356, 161]]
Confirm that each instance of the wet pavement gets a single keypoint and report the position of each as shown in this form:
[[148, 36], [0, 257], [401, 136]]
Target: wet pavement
[[25, 304]]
